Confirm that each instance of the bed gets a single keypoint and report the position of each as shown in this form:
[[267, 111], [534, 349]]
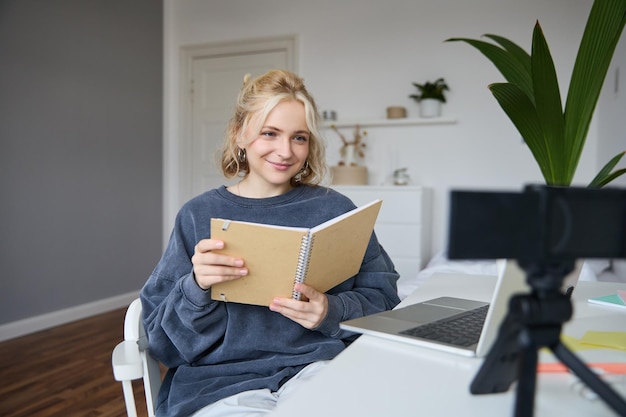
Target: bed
[[592, 270]]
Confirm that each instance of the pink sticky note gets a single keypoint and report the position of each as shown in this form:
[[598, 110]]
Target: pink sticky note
[[622, 295]]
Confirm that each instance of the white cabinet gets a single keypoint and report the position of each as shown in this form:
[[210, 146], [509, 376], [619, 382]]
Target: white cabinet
[[403, 225]]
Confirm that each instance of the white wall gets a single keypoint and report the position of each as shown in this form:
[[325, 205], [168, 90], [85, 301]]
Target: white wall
[[359, 61], [611, 112]]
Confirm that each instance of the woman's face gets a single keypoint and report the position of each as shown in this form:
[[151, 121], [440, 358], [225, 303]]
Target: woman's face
[[279, 150]]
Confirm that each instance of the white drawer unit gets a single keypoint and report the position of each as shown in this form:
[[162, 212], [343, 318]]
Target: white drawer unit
[[402, 226]]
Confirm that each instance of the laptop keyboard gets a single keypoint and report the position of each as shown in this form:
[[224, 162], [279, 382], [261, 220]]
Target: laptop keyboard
[[461, 330]]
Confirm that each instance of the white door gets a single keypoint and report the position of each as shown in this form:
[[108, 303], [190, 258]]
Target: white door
[[215, 81]]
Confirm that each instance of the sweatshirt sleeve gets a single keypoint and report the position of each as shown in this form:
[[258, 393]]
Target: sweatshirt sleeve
[[181, 320], [372, 290]]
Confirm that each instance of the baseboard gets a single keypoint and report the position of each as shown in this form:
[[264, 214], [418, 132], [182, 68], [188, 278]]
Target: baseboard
[[45, 321]]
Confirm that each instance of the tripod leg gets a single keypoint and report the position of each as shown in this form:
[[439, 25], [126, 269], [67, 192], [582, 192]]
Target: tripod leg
[[525, 393], [500, 368], [580, 369]]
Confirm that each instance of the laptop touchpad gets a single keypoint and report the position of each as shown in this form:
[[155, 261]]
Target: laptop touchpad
[[424, 313]]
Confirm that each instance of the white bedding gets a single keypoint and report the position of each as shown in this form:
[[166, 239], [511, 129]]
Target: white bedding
[[592, 270]]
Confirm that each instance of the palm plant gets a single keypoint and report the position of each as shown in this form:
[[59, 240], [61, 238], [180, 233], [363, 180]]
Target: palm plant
[[532, 100]]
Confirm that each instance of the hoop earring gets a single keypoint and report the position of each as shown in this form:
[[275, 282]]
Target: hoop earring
[[241, 155], [303, 172]]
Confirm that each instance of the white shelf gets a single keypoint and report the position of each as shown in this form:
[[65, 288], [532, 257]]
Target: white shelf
[[391, 122]]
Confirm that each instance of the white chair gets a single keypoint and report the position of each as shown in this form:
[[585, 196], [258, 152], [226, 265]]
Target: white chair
[[131, 361]]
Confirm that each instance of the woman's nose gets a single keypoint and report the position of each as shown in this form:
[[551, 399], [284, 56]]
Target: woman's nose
[[284, 148]]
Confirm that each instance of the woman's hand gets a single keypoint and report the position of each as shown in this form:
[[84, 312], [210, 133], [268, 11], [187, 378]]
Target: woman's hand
[[210, 268], [309, 314]]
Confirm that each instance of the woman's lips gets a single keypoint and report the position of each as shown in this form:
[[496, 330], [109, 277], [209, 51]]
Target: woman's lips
[[279, 166]]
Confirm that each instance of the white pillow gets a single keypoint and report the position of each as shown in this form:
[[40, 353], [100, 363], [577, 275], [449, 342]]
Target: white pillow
[[440, 263]]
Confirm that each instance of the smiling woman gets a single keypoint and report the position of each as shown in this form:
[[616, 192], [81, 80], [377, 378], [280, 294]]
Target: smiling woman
[[276, 154], [275, 106], [236, 360]]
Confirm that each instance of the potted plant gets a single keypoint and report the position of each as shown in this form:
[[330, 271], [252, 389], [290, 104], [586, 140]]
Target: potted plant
[[430, 97], [532, 100]]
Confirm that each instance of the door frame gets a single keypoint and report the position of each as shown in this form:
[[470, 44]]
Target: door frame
[[178, 155]]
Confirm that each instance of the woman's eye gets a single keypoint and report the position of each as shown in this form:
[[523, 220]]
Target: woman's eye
[[301, 138], [268, 134]]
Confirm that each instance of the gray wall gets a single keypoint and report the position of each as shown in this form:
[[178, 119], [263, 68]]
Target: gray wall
[[80, 151]]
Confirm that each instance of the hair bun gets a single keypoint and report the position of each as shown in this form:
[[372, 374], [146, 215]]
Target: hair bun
[[246, 78]]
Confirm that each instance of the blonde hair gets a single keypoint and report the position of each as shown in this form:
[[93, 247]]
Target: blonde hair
[[260, 96]]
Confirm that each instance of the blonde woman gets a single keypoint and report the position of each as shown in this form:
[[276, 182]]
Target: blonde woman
[[236, 359]]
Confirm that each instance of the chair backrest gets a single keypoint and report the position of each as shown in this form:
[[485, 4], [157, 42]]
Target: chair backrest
[[131, 361], [133, 330]]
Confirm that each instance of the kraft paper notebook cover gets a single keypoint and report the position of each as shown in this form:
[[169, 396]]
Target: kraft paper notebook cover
[[277, 256]]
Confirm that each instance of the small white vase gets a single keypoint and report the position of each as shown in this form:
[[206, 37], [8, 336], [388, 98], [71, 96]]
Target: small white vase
[[430, 107]]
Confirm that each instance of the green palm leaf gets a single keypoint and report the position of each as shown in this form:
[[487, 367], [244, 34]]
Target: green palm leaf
[[515, 50], [548, 108], [522, 113], [605, 175], [602, 32], [511, 66]]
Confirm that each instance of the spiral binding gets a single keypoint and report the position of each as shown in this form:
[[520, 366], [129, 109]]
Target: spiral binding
[[303, 263]]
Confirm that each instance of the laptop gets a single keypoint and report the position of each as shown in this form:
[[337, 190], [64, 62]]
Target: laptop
[[405, 324]]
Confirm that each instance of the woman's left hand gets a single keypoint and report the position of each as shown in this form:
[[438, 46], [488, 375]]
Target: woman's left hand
[[308, 314]]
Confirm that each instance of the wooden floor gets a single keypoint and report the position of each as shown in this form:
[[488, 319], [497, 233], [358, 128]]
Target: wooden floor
[[65, 371]]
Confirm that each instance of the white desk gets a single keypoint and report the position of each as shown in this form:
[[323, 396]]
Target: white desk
[[381, 378]]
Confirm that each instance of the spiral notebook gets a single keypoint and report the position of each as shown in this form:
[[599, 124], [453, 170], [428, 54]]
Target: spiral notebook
[[277, 257]]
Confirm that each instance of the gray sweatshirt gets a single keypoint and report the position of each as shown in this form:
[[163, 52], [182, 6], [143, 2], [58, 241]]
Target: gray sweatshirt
[[215, 349]]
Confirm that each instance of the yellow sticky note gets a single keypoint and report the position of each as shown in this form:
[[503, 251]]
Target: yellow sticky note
[[610, 340], [574, 344]]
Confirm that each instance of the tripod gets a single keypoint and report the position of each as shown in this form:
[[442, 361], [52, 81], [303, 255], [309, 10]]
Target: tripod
[[534, 321]]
